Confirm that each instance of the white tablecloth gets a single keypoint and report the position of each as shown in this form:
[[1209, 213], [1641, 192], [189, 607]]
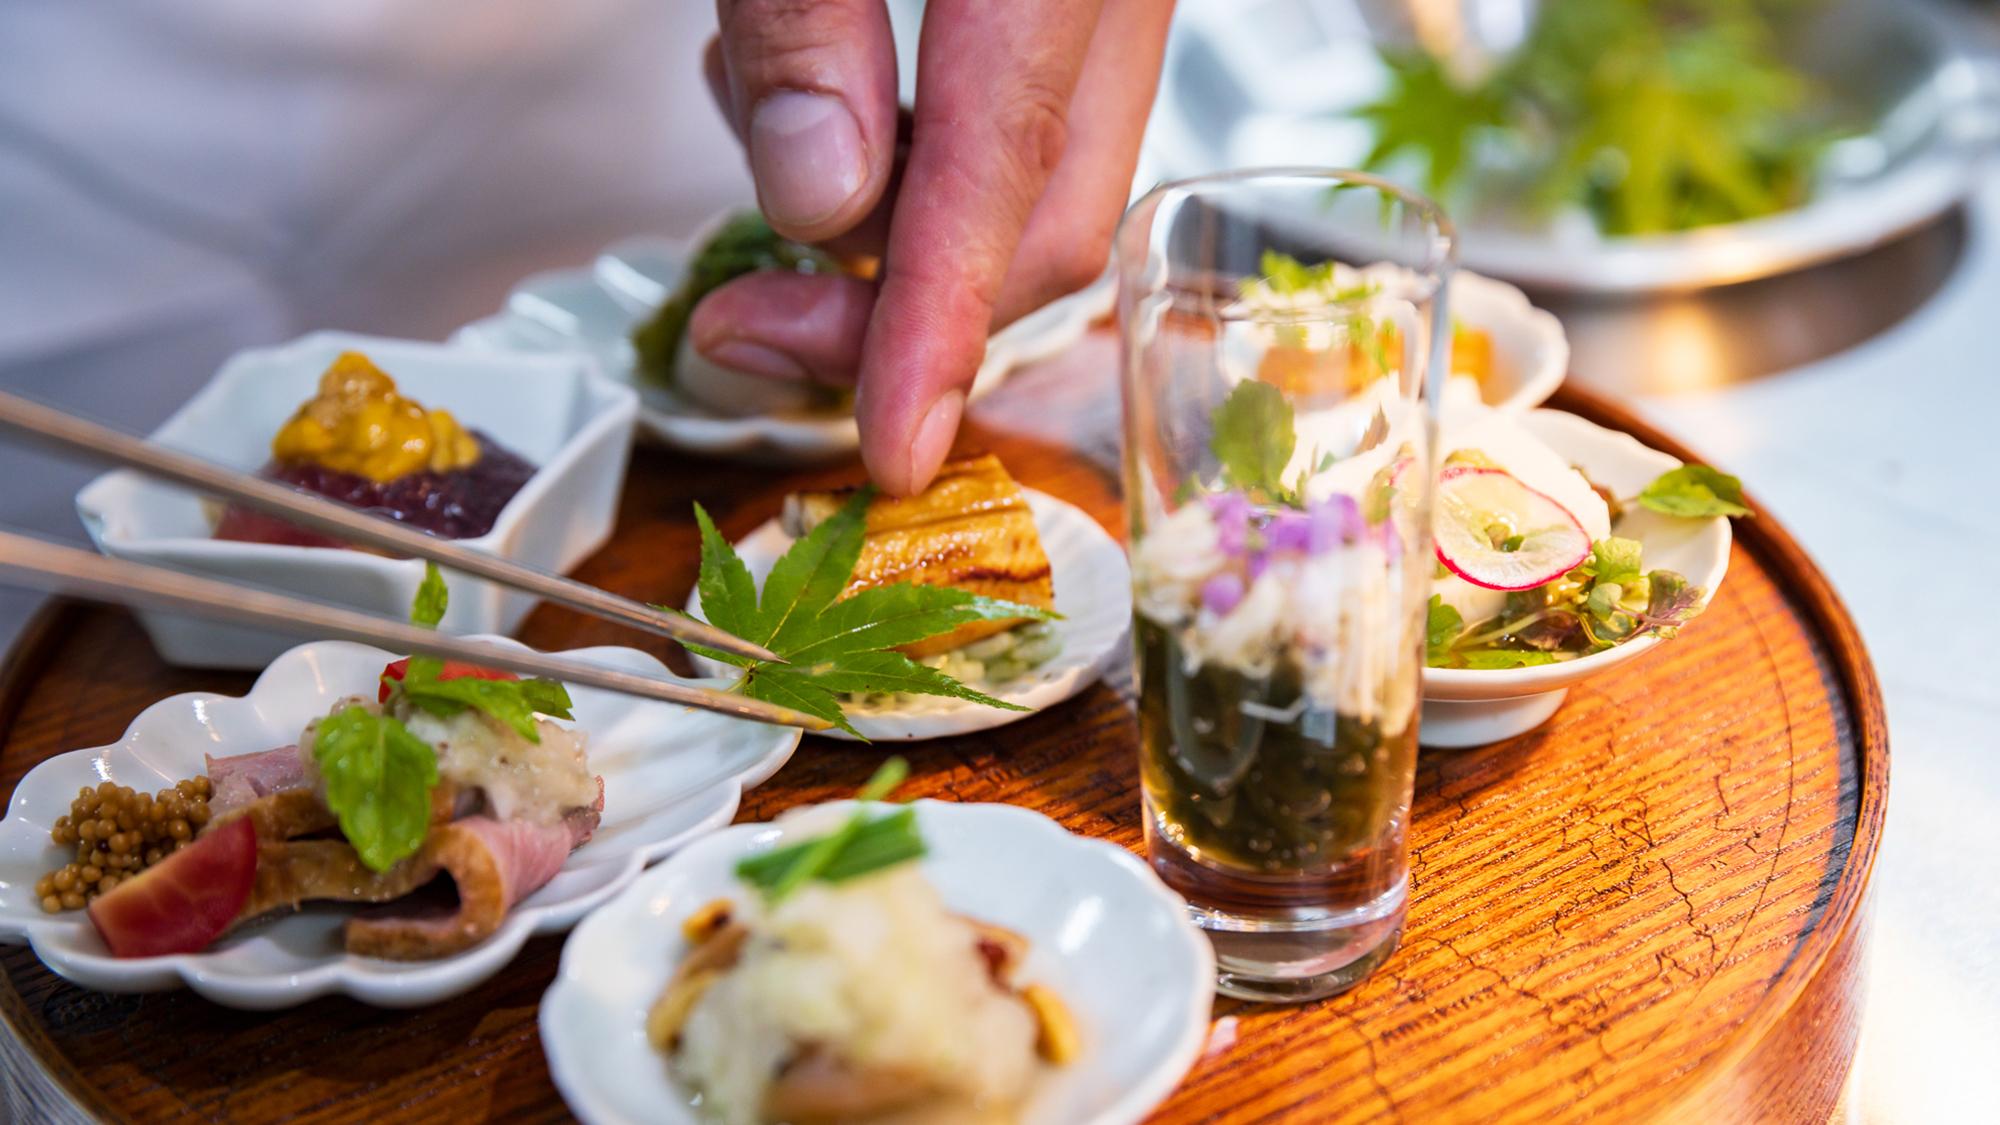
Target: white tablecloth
[[1884, 462]]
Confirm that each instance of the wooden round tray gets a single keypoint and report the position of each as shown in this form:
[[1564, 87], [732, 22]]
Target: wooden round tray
[[1654, 906]]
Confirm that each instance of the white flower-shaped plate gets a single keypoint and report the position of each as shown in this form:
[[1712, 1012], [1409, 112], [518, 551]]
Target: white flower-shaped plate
[[670, 775], [1106, 934], [1467, 707], [1093, 593], [593, 310]]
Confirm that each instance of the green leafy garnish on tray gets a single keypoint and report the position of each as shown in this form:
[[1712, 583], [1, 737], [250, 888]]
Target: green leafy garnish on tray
[[830, 644], [1652, 115], [860, 846]]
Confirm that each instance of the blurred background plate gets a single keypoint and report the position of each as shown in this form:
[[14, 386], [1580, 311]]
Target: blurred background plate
[[1277, 82], [593, 311]]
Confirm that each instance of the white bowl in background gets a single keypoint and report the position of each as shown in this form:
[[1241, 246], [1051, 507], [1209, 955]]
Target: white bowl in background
[[1093, 591], [556, 411], [1469, 707], [1106, 935], [593, 311], [671, 774]]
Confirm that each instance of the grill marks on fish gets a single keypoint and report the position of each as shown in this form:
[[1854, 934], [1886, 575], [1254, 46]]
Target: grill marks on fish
[[972, 530]]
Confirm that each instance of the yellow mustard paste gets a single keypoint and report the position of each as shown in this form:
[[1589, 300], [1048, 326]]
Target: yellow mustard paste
[[359, 424]]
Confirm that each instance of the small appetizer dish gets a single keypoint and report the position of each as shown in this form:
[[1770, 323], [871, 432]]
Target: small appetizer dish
[[956, 610], [630, 312], [1564, 550], [389, 828], [856, 962], [1505, 353], [522, 456]]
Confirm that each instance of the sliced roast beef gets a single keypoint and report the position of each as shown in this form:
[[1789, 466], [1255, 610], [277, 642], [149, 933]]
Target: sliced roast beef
[[290, 872], [495, 864], [239, 780]]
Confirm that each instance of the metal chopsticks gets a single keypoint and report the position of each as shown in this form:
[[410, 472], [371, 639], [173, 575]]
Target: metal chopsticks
[[49, 566], [50, 426]]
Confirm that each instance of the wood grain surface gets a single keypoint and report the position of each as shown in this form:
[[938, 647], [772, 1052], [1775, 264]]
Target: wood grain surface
[[1653, 908]]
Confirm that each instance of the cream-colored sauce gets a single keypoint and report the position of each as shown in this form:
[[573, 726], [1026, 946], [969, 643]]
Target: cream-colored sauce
[[522, 780]]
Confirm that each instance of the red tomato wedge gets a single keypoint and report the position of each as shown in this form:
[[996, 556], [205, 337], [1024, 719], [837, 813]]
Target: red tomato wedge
[[183, 902], [452, 670]]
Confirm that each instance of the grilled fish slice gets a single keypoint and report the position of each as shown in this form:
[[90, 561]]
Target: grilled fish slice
[[971, 530]]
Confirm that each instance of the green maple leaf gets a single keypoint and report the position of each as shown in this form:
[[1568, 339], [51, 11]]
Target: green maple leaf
[[831, 644], [1428, 113]]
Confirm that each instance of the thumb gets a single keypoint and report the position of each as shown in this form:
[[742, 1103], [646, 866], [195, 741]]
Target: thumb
[[811, 89]]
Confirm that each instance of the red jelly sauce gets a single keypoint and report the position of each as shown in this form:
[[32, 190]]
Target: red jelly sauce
[[462, 504]]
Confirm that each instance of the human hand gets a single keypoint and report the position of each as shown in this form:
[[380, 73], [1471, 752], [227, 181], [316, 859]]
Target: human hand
[[1020, 155]]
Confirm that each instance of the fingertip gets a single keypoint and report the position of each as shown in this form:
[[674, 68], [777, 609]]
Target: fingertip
[[905, 468], [809, 161]]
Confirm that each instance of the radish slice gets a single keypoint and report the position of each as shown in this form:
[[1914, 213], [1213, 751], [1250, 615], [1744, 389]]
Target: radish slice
[[1478, 510]]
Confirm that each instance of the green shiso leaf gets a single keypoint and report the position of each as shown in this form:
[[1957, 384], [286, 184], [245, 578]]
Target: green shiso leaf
[[1695, 492]]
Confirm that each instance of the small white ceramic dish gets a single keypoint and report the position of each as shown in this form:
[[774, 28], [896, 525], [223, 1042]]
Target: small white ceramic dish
[[594, 310], [1465, 707], [1093, 593], [1106, 934], [554, 410], [670, 775], [1530, 350]]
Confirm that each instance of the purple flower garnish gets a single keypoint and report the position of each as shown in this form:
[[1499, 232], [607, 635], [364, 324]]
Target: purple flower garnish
[[1288, 531], [1231, 512], [1334, 520], [1222, 593], [1392, 539]]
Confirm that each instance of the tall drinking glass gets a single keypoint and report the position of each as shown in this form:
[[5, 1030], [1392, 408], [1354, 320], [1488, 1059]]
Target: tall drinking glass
[[1279, 328]]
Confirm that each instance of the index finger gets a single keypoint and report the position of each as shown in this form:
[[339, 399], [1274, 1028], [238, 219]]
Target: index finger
[[991, 120]]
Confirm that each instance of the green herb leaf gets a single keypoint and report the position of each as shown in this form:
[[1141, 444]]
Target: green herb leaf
[[432, 597], [1495, 659], [857, 847], [1695, 492], [1603, 599], [1254, 437], [728, 593], [897, 614], [1616, 561], [548, 697], [1427, 114], [1443, 630], [831, 646], [1286, 274], [1671, 602], [1652, 115], [513, 702], [879, 843], [803, 583], [379, 778]]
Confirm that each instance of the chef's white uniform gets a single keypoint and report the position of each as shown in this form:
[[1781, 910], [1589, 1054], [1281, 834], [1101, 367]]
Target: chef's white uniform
[[182, 179]]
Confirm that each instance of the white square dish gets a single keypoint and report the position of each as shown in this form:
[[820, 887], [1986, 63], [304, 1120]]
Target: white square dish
[[557, 411]]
